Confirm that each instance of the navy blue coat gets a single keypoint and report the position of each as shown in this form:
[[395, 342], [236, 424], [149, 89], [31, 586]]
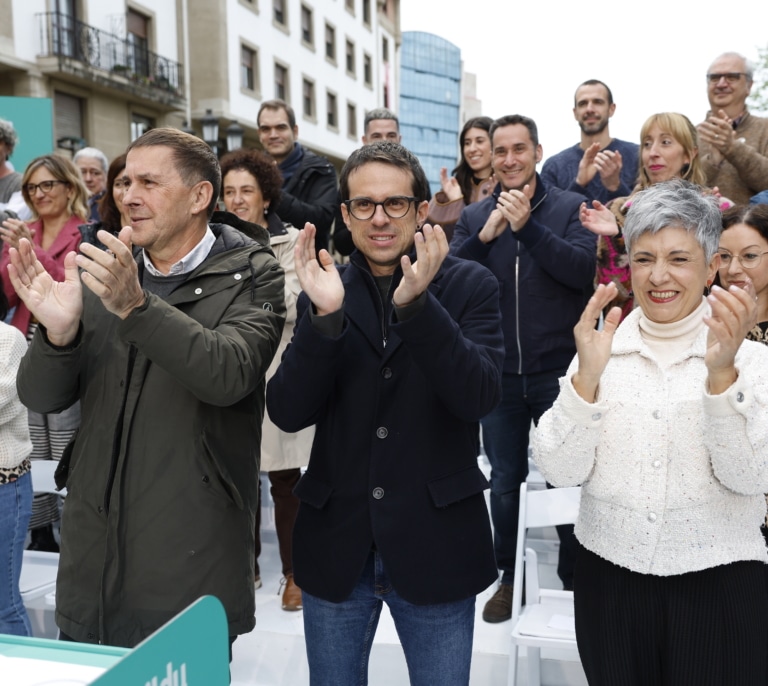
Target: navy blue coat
[[394, 460], [546, 273]]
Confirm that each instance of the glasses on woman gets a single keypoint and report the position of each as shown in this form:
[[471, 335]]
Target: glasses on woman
[[395, 207], [45, 186], [748, 260]]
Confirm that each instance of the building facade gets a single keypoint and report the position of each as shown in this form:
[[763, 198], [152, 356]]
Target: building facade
[[430, 101], [114, 68]]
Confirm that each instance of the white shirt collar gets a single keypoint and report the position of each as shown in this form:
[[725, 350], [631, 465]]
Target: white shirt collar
[[193, 259]]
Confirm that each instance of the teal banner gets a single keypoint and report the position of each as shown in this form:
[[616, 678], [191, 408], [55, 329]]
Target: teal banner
[[192, 649], [33, 120]]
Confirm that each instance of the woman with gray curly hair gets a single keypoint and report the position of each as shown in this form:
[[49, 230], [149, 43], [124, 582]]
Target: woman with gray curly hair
[[663, 421]]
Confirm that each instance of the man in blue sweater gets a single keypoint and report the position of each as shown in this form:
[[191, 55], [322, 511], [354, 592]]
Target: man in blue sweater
[[600, 167]]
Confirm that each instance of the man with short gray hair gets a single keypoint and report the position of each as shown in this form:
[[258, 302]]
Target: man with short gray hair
[[733, 144], [381, 124], [93, 165], [166, 349]]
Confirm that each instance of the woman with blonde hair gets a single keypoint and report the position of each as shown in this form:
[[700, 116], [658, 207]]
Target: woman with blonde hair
[[668, 150], [55, 193]]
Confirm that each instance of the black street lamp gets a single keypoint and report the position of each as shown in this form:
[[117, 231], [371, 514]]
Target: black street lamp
[[210, 126], [234, 136]]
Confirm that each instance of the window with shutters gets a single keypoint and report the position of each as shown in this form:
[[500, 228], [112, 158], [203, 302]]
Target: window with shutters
[[137, 29], [68, 111]]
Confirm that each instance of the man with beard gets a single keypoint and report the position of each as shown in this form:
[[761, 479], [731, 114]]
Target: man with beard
[[529, 235], [309, 180], [600, 167]]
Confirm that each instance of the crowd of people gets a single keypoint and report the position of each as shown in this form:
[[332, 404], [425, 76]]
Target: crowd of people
[[191, 321]]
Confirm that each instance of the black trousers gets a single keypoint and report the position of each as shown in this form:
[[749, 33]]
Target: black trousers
[[705, 628]]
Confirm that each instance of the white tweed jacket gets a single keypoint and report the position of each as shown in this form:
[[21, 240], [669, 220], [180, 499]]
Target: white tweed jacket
[[673, 478], [15, 445]]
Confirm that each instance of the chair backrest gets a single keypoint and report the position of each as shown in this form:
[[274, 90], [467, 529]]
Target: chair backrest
[[539, 508], [42, 477], [550, 507]]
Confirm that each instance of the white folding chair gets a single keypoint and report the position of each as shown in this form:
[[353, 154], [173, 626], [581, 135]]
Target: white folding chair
[[39, 569], [546, 619]]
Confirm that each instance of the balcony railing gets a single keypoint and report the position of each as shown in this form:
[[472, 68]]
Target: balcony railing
[[64, 36]]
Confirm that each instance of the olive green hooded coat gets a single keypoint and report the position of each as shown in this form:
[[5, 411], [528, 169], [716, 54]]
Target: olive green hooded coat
[[162, 476]]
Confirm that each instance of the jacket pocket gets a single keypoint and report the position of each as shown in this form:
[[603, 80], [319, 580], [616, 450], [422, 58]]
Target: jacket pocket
[[312, 492], [61, 475], [452, 488], [223, 477]]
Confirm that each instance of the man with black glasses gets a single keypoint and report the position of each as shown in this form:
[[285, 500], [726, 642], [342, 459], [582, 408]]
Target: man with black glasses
[[733, 143], [395, 358]]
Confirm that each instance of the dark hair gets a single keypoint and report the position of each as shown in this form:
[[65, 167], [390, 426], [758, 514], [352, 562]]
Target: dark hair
[[463, 172], [386, 152], [261, 167], [594, 82], [512, 119], [754, 216], [277, 104], [195, 161], [108, 211], [3, 305]]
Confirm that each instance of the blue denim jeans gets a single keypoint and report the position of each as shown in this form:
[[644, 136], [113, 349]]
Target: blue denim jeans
[[436, 639], [524, 398], [15, 510]]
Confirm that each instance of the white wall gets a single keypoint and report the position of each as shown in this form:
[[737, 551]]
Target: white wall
[[287, 48]]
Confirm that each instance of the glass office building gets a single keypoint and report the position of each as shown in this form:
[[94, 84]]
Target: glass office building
[[430, 100]]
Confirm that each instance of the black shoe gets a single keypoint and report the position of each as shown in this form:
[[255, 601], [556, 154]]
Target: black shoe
[[43, 540], [499, 607]]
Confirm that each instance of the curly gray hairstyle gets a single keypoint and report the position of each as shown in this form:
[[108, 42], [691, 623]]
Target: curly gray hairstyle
[[8, 135]]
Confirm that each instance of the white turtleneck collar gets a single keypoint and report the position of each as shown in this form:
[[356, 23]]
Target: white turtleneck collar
[[669, 340]]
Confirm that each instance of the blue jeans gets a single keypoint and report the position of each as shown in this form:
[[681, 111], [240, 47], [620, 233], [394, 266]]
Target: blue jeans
[[524, 398], [436, 639], [15, 510]]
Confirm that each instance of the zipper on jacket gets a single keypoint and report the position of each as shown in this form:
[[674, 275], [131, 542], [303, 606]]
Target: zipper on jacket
[[383, 321], [383, 314], [517, 295], [118, 432], [517, 311]]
